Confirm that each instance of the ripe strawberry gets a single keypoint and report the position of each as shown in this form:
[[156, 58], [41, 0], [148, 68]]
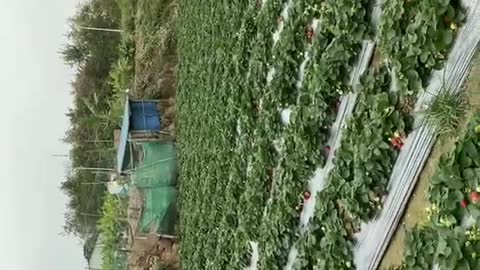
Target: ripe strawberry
[[393, 141], [307, 195], [327, 149], [310, 34], [464, 203], [475, 197]]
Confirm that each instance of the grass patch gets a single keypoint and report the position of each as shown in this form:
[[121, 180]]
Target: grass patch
[[155, 44], [446, 112]]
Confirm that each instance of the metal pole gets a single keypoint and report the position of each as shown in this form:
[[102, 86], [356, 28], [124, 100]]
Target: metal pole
[[100, 29], [164, 236], [98, 141], [92, 215], [94, 169], [94, 183]]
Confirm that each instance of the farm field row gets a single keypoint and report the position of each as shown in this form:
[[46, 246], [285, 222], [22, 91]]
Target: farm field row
[[450, 237], [259, 84]]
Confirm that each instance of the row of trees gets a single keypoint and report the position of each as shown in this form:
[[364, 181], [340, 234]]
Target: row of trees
[[143, 59], [92, 54]]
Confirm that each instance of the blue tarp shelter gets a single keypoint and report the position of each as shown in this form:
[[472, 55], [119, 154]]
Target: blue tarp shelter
[[139, 116]]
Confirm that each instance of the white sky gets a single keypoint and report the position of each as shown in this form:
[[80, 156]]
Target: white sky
[[35, 95]]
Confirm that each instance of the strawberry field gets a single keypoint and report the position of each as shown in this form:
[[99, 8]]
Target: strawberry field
[[259, 90]]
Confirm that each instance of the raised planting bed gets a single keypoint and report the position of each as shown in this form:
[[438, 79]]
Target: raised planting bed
[[451, 237]]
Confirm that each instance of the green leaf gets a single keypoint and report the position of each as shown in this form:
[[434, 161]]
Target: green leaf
[[411, 75], [444, 3], [470, 149], [414, 81], [410, 260], [455, 183], [462, 265], [446, 37], [458, 195], [477, 173], [465, 161], [459, 16], [383, 105], [450, 11], [413, 51], [345, 173], [359, 32], [364, 152], [424, 56], [442, 246], [474, 211], [468, 173], [451, 220], [384, 145]]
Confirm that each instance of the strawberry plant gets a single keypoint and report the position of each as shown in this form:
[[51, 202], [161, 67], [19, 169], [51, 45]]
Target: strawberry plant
[[420, 239], [357, 184], [452, 231], [415, 37]]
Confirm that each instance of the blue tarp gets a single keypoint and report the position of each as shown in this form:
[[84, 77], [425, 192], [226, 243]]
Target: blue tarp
[[144, 116]]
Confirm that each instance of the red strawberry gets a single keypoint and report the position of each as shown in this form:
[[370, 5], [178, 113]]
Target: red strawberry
[[464, 203], [310, 34], [393, 141], [396, 143], [337, 105], [400, 146], [307, 195], [475, 197], [327, 149]]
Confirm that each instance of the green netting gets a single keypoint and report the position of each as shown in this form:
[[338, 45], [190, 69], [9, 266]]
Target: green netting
[[159, 166], [120, 262], [160, 210]]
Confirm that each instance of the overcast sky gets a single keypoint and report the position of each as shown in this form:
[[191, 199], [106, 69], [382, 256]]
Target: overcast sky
[[35, 95]]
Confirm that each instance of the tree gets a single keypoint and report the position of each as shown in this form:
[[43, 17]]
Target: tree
[[92, 54]]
